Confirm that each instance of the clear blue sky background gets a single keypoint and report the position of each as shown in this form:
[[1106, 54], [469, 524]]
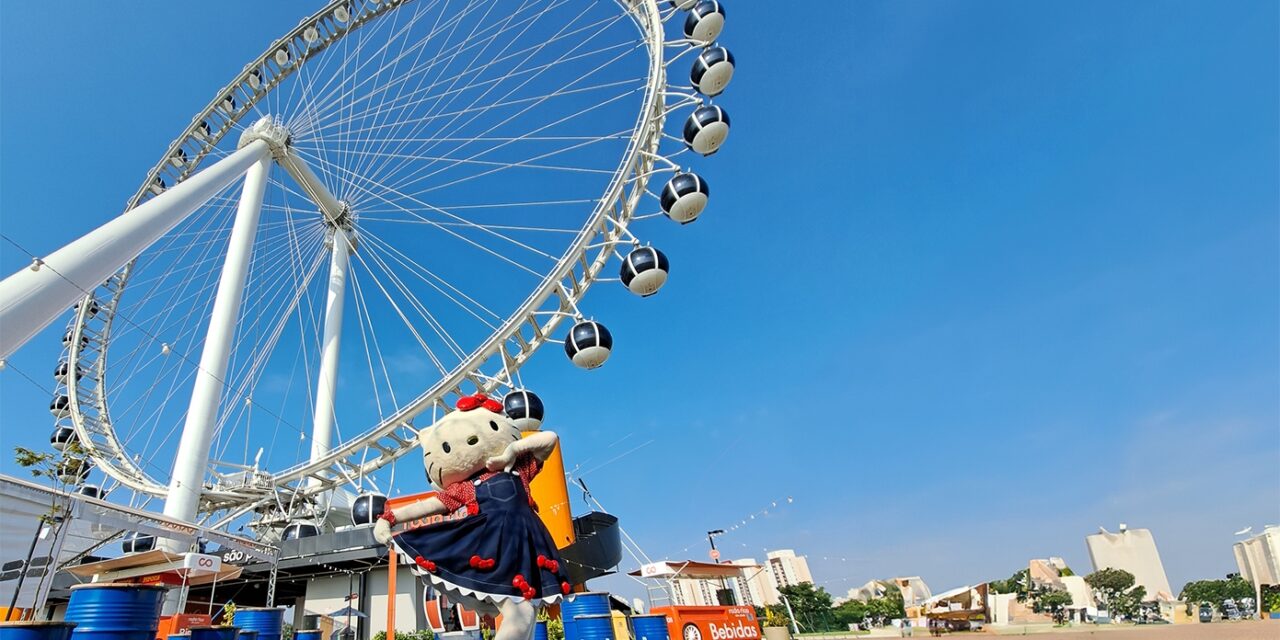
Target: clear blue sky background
[[977, 278]]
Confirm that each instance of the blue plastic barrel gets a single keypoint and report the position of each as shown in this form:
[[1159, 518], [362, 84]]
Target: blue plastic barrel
[[267, 621], [180, 636], [596, 626], [115, 611], [248, 634], [582, 604], [650, 627], [214, 633], [540, 630], [32, 630], [306, 634]]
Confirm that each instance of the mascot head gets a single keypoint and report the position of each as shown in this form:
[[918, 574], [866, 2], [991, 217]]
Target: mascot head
[[458, 445]]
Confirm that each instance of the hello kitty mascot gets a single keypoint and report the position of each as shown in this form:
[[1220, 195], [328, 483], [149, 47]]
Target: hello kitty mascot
[[498, 558]]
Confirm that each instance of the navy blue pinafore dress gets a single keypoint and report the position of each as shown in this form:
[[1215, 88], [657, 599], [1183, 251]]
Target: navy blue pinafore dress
[[504, 552]]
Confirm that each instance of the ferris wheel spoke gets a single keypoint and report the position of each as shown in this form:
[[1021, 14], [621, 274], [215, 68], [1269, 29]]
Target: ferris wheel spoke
[[419, 69], [404, 318], [441, 62], [325, 96], [456, 217], [366, 212], [503, 167], [251, 372], [401, 122], [531, 135], [365, 219], [476, 83], [365, 323], [487, 163], [416, 304], [431, 278], [454, 124]]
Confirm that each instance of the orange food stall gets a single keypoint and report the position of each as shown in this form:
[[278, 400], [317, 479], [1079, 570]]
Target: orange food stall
[[732, 622]]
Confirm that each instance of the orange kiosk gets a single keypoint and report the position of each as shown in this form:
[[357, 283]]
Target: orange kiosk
[[734, 622]]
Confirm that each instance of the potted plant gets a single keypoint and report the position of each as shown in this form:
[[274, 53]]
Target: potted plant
[[775, 625]]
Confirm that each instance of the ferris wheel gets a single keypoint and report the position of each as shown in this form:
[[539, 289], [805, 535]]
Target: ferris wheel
[[394, 205]]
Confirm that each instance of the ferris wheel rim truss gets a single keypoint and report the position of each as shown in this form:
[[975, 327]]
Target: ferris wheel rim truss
[[528, 328]]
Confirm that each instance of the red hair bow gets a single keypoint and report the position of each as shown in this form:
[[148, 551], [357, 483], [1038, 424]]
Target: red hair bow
[[468, 403]]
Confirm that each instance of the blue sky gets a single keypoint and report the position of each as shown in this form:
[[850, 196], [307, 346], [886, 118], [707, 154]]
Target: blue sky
[[976, 277]]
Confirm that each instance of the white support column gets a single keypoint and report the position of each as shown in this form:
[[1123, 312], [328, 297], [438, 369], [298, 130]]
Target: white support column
[[327, 384], [30, 300], [192, 460]]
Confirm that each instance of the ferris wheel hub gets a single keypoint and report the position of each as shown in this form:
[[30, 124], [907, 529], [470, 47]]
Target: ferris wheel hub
[[269, 130]]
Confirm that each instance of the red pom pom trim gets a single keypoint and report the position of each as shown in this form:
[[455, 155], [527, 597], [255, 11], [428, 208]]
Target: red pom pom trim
[[389, 517], [425, 564]]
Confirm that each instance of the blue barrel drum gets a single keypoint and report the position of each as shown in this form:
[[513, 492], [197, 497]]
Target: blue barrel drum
[[540, 630], [582, 604], [267, 621], [597, 626], [32, 630], [115, 611], [214, 633], [650, 627]]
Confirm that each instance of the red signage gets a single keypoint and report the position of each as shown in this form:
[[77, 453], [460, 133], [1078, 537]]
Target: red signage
[[711, 623]]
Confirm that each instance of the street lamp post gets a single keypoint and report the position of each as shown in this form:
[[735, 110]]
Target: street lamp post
[[715, 556]]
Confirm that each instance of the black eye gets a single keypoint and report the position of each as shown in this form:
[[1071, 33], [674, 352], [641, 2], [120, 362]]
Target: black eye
[[493, 425], [445, 447]]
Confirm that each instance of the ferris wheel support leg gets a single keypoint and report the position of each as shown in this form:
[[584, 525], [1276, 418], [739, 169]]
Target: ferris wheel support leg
[[33, 297], [183, 500], [327, 384]]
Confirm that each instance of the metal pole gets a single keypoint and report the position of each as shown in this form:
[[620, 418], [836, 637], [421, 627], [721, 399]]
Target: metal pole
[[391, 592], [790, 614], [33, 297], [183, 500], [327, 384], [26, 566]]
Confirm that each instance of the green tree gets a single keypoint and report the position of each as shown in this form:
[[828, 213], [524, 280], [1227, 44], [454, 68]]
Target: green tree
[[63, 471], [811, 605], [1115, 591], [1017, 583], [852, 612], [1215, 592], [1053, 602]]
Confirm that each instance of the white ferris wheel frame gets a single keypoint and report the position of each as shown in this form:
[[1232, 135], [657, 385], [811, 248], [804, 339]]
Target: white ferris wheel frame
[[488, 368]]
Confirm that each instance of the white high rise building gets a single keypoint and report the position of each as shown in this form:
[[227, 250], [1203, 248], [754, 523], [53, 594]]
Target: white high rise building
[[788, 569], [755, 586]]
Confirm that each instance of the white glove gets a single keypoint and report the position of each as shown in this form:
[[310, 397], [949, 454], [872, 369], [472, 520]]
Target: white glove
[[382, 532], [502, 461]]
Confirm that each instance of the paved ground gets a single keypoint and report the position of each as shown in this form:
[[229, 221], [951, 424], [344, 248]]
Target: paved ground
[[1251, 630]]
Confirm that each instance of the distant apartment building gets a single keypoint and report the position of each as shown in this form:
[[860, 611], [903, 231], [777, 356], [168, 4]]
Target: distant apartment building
[[1133, 550], [756, 585], [1259, 557], [788, 569]]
